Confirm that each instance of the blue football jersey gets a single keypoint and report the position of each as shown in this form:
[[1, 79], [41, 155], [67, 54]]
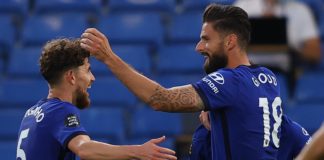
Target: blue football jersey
[[293, 139], [46, 130], [245, 112]]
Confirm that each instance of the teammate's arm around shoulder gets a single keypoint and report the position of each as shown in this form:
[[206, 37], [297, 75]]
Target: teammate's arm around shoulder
[[177, 99], [88, 149], [315, 149]]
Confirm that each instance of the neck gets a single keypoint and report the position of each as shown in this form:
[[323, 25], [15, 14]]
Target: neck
[[62, 93], [238, 58]]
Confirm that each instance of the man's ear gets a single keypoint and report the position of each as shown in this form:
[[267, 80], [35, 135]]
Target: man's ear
[[230, 42], [70, 77]]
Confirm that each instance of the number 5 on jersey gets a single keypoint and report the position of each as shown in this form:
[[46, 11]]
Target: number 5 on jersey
[[20, 152]]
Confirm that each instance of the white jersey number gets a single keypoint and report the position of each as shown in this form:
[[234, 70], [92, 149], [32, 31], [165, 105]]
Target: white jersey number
[[20, 152], [263, 102]]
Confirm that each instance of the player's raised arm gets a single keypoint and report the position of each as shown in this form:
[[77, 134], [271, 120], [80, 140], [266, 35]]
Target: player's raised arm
[[177, 99], [88, 149]]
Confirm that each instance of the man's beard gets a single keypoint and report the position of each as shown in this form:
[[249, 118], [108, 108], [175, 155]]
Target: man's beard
[[82, 101], [216, 61]]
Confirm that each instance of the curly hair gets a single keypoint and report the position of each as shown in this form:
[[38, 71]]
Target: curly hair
[[60, 55]]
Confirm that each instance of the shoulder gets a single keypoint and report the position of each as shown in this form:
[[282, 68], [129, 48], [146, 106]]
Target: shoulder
[[223, 74], [57, 107]]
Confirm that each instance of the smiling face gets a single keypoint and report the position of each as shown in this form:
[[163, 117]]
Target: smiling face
[[211, 46], [84, 79]]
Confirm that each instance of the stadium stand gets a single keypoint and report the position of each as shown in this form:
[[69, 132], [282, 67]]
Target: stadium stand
[[309, 88], [70, 6], [108, 91], [8, 149], [104, 123], [7, 33], [148, 123], [170, 56], [137, 56], [10, 119], [23, 63], [39, 29], [184, 28], [14, 7], [139, 29], [141, 5], [22, 93]]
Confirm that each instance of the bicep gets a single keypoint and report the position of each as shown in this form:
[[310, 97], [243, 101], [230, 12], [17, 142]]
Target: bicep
[[177, 99]]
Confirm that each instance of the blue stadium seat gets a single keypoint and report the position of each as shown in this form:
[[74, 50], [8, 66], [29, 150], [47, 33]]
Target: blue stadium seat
[[309, 116], [137, 56], [39, 29], [149, 123], [140, 5], [185, 28], [14, 7], [194, 5], [179, 59], [70, 6], [104, 123], [310, 87], [22, 93], [135, 29], [322, 52], [7, 33], [106, 91], [1, 66], [23, 62], [169, 81], [8, 149], [10, 119]]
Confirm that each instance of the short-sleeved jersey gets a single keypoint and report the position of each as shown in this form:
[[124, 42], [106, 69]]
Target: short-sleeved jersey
[[46, 130], [293, 139], [245, 112]]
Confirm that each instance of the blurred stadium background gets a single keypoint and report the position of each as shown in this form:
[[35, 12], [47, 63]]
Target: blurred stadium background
[[157, 37]]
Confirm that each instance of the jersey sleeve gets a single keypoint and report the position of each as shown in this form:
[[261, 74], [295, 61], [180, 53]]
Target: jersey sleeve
[[66, 124], [218, 89], [302, 138], [298, 136]]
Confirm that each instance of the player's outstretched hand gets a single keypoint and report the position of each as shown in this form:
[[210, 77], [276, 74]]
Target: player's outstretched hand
[[96, 43], [151, 151]]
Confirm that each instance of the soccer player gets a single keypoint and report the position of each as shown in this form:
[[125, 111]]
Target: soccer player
[[51, 130], [293, 139], [243, 99], [315, 149]]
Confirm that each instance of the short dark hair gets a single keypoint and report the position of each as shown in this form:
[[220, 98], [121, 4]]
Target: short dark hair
[[60, 55], [229, 19]]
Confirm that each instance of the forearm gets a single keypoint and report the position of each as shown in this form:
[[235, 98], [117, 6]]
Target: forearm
[[97, 150], [176, 99], [140, 85], [314, 150]]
